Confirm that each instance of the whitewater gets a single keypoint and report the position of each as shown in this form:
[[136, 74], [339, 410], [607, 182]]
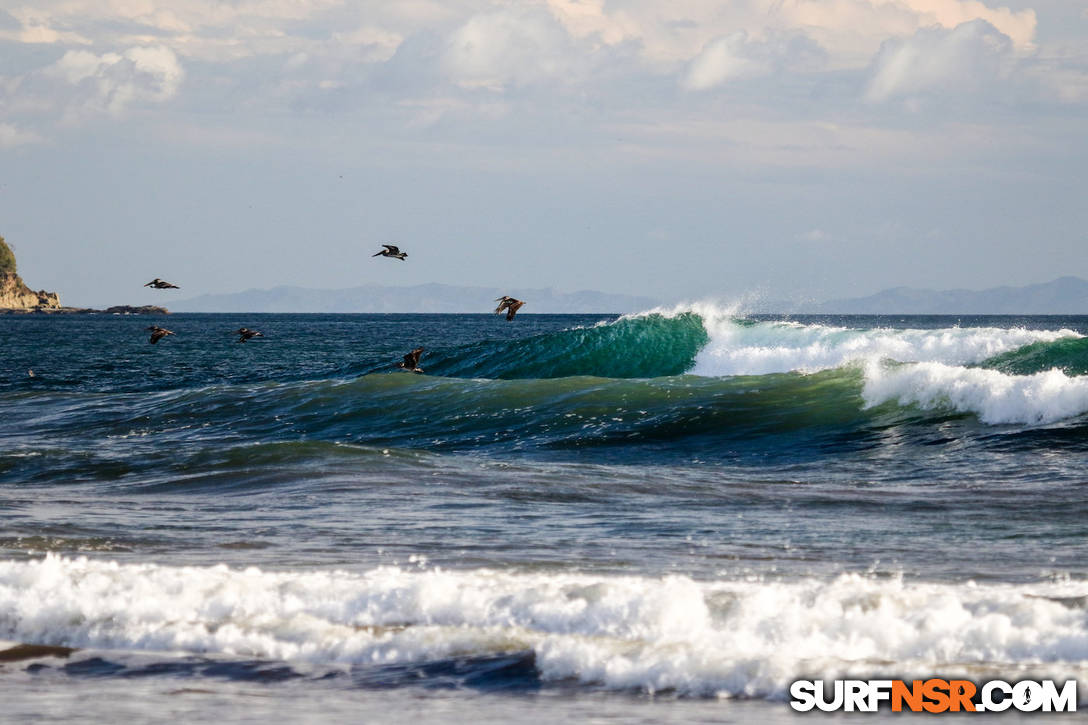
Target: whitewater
[[668, 515], [720, 639]]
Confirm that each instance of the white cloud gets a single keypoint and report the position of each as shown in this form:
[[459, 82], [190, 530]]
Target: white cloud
[[380, 44], [502, 44], [721, 60], [670, 32], [425, 60], [878, 19], [966, 60], [739, 56], [35, 34], [112, 82], [849, 30], [1018, 26], [587, 18], [11, 136], [508, 47]]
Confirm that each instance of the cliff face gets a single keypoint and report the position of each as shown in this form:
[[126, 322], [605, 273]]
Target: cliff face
[[14, 294]]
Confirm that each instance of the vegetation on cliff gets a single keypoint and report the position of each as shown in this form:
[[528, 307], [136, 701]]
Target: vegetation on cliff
[[7, 259], [14, 294]]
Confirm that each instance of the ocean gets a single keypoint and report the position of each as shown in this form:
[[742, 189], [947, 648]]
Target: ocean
[[662, 517]]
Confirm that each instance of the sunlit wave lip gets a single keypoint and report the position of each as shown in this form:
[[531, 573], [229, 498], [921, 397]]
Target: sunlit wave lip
[[726, 638]]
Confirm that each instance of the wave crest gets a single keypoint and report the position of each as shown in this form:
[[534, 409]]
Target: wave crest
[[711, 340], [995, 397]]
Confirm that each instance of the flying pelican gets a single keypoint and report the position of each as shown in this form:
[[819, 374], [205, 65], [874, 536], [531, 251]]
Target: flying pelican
[[160, 284], [391, 250], [509, 304], [411, 361], [158, 333], [244, 334]]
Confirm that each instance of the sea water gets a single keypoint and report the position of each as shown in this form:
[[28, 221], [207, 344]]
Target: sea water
[[662, 517]]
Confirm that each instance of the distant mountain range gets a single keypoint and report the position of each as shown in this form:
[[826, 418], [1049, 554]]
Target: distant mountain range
[[419, 298], [1066, 295]]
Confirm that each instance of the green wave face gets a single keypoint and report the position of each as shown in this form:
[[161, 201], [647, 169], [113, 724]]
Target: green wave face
[[591, 418], [650, 346], [1070, 355]]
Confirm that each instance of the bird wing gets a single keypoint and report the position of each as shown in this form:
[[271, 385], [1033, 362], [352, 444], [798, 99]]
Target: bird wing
[[506, 302], [393, 249], [515, 305], [411, 360], [157, 335]]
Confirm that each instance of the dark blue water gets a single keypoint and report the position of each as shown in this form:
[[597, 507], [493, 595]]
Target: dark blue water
[[566, 507]]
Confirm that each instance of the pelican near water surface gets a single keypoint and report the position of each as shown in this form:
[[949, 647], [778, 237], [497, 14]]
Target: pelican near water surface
[[411, 361], [509, 304], [245, 334], [158, 333]]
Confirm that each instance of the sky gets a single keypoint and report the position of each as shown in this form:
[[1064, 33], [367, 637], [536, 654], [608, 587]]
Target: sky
[[740, 149]]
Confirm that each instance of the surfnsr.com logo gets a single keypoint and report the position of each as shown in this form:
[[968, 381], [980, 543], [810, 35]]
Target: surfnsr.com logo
[[933, 695]]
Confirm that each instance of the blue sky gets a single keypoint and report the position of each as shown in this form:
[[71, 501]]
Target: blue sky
[[777, 148]]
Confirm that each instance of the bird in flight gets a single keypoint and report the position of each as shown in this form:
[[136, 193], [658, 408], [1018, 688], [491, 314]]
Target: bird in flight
[[158, 333], [160, 284], [509, 304], [411, 361], [391, 250], [244, 334]]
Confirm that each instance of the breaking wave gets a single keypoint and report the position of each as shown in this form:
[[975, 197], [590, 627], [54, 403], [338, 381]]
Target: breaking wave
[[651, 634], [660, 386]]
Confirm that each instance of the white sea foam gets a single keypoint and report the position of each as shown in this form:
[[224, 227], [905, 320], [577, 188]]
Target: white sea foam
[[771, 347], [995, 397], [725, 638]]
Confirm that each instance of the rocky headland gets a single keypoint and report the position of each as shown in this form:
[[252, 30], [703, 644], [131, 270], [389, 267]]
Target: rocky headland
[[14, 294], [17, 298]]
